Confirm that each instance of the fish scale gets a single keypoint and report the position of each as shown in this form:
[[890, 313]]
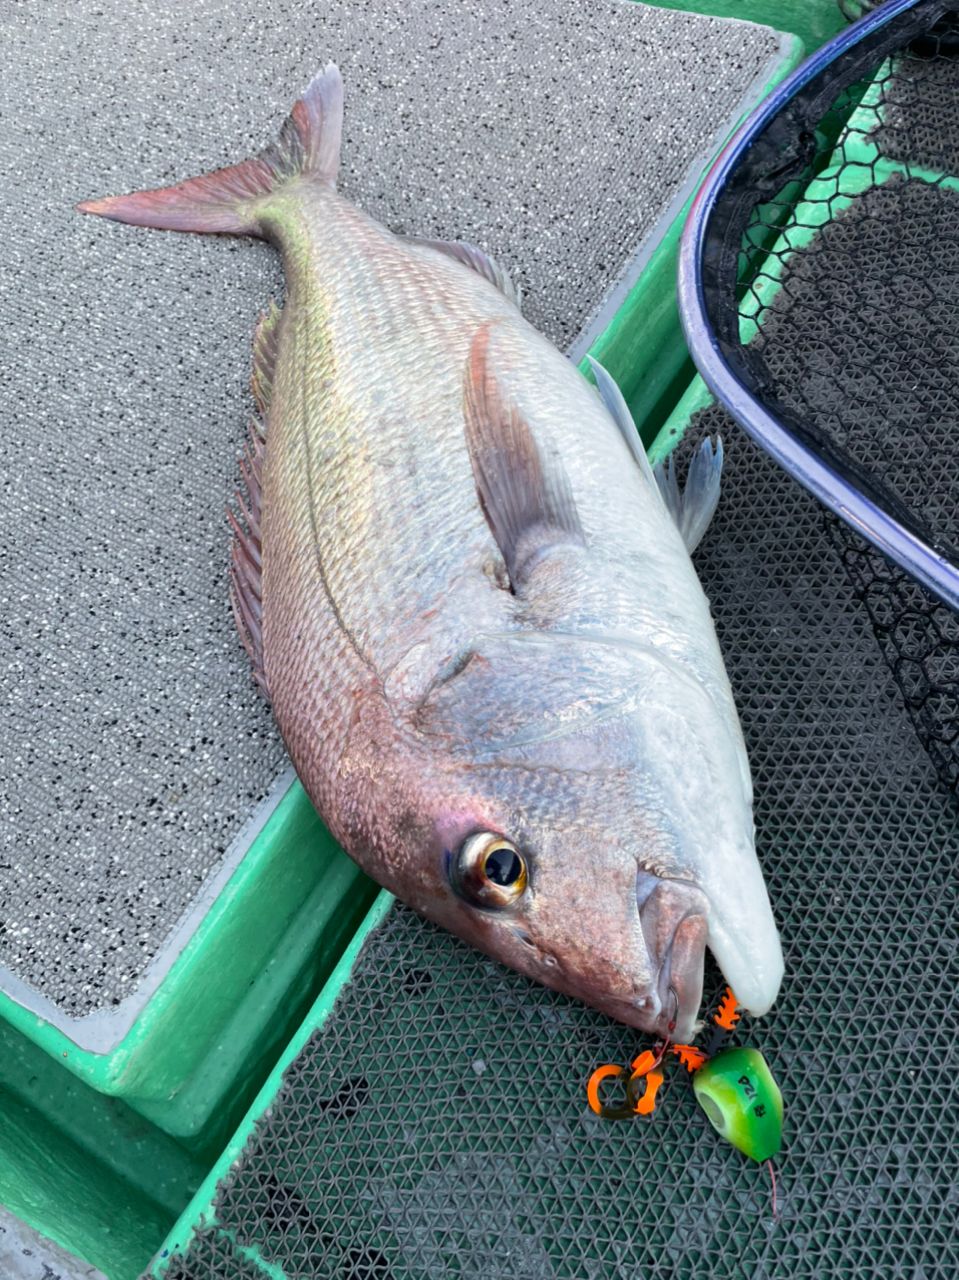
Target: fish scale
[[362, 431], [485, 645]]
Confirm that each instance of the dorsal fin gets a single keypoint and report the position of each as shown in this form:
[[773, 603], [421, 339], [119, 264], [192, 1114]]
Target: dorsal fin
[[525, 496], [264, 357], [246, 556], [478, 260]]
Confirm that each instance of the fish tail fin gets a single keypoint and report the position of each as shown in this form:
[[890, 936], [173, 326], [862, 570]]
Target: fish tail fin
[[230, 201]]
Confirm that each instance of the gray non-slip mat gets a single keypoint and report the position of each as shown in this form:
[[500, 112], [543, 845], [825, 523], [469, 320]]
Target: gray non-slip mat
[[132, 744], [437, 1124], [920, 121]]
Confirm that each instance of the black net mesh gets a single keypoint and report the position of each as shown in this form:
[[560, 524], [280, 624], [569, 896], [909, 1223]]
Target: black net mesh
[[833, 282], [437, 1124]]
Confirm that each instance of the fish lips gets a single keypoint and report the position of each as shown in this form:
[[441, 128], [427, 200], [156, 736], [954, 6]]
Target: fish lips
[[674, 916]]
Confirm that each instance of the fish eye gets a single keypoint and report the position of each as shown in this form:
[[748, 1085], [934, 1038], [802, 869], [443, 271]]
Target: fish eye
[[489, 871]]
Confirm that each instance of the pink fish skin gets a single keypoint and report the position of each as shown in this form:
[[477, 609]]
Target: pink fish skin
[[473, 609]]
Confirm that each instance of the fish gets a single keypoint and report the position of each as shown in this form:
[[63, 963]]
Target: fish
[[471, 604]]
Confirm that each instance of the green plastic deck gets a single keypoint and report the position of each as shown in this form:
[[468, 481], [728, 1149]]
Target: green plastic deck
[[223, 992]]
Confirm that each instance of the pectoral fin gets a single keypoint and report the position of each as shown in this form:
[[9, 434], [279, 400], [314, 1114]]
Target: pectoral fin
[[524, 492], [691, 508]]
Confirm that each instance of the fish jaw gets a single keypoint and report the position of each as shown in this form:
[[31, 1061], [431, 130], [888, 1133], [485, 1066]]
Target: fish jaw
[[666, 1004], [674, 918]]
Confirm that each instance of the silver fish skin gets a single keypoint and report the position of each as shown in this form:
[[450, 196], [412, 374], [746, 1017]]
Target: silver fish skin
[[473, 610]]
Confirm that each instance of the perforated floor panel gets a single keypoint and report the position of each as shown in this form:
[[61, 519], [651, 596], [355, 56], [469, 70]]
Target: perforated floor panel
[[437, 1124], [132, 744]]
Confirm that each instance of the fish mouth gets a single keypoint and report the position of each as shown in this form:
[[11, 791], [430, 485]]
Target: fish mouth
[[674, 919], [680, 983]]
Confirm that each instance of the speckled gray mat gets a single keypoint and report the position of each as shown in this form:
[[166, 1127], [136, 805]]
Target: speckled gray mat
[[26, 1255], [132, 744]]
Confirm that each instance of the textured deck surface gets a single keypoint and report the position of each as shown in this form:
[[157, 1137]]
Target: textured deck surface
[[132, 744], [25, 1255], [437, 1125]]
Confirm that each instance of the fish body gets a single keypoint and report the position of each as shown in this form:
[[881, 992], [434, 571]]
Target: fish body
[[473, 610]]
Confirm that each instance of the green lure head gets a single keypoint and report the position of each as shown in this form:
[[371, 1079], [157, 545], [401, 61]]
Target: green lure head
[[742, 1101]]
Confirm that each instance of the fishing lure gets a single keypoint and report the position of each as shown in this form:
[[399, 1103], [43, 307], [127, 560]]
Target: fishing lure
[[734, 1087]]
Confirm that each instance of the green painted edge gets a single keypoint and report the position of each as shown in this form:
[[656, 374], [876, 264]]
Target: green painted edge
[[199, 1212], [696, 397], [227, 962], [269, 1269], [813, 21]]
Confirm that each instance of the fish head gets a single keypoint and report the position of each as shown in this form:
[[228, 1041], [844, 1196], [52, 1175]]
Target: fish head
[[560, 903], [587, 816]]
